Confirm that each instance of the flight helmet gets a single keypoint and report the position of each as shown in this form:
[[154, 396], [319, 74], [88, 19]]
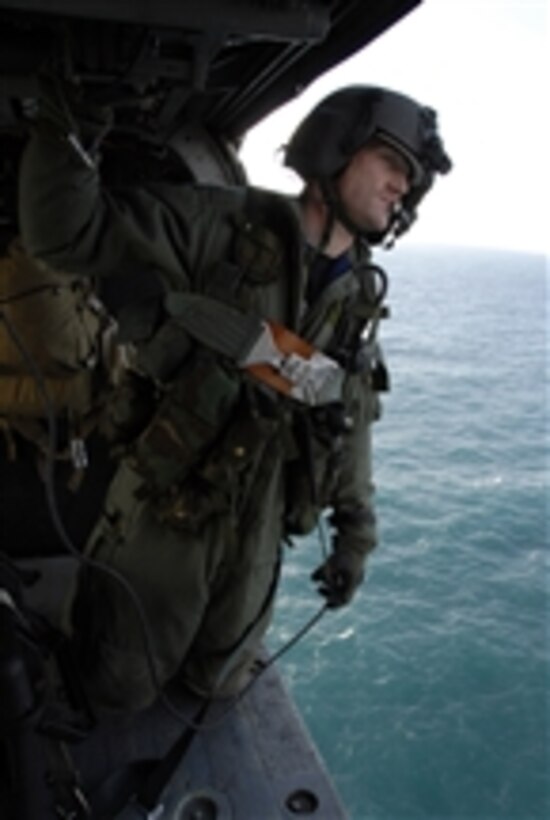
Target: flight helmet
[[345, 121]]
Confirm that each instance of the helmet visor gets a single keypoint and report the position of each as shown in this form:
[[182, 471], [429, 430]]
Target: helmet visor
[[407, 127]]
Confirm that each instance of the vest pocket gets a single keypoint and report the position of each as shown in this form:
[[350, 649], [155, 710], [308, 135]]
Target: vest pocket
[[226, 479], [190, 415]]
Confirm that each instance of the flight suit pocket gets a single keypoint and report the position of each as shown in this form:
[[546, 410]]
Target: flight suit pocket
[[223, 478], [191, 415]]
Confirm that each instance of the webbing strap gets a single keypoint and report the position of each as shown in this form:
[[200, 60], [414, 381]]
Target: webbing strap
[[151, 788]]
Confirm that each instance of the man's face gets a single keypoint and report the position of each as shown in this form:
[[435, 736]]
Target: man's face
[[372, 186]]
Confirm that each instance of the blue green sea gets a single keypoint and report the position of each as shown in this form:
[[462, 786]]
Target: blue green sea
[[428, 697]]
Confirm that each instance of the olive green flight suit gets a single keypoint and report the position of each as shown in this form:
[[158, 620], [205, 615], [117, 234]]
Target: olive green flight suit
[[196, 514]]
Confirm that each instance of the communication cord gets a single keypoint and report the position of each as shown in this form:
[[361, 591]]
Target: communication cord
[[49, 482]]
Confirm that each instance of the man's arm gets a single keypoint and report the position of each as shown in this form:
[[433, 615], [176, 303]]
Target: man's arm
[[70, 220], [353, 518], [60, 204]]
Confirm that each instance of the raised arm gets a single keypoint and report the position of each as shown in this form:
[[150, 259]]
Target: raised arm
[[68, 217]]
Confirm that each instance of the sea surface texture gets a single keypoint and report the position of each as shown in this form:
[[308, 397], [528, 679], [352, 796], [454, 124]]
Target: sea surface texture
[[428, 697]]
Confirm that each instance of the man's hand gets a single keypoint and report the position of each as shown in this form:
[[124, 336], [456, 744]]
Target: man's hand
[[65, 110], [339, 577]]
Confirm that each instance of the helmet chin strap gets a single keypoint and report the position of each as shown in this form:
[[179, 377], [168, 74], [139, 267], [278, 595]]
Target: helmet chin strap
[[327, 228]]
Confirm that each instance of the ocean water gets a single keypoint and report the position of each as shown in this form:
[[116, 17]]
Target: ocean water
[[429, 697]]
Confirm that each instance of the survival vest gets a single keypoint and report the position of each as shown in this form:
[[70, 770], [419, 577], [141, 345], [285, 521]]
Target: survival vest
[[52, 323]]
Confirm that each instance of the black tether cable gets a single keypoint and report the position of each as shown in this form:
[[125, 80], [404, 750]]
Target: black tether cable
[[49, 482], [24, 294], [149, 792]]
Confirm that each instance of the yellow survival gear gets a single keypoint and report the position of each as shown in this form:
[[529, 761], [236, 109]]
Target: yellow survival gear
[[69, 337]]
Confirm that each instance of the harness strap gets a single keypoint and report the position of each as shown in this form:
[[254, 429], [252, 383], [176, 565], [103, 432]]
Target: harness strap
[[151, 788]]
